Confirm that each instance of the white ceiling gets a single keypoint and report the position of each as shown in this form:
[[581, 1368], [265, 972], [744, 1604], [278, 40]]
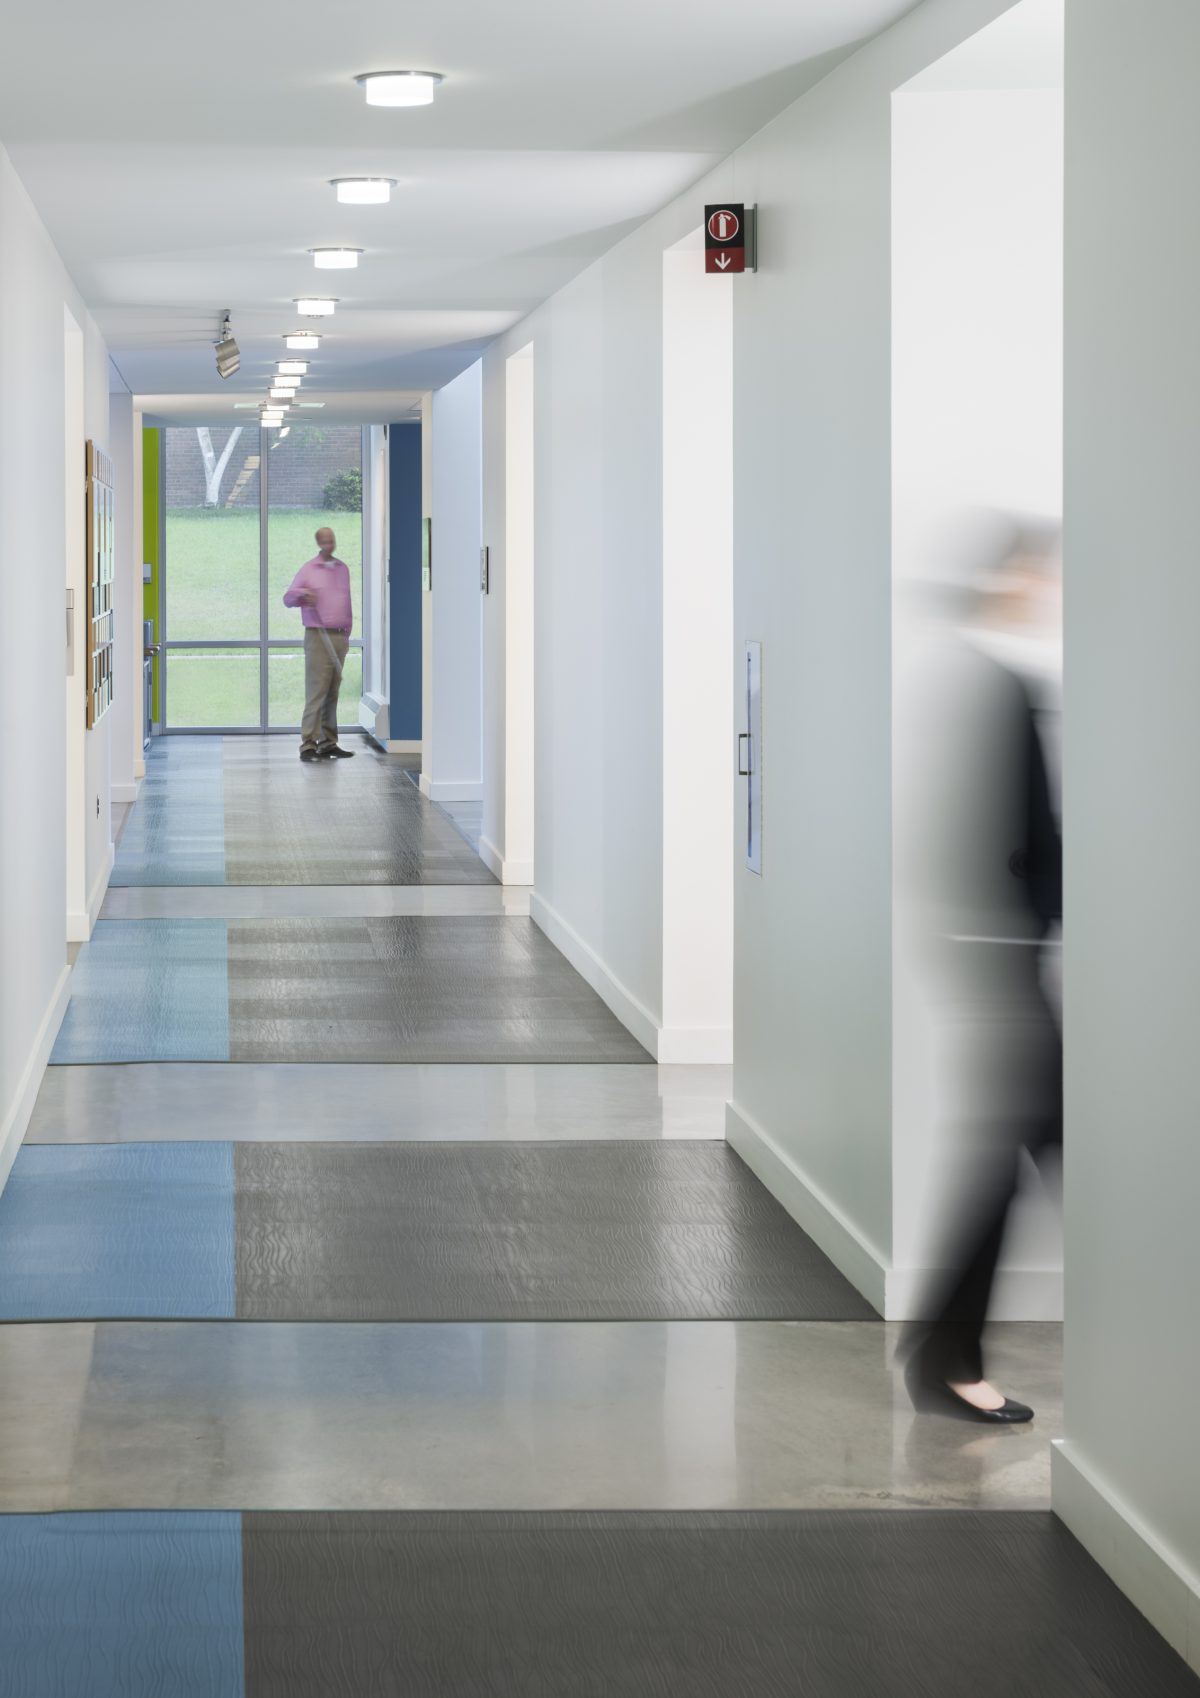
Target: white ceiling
[[180, 157]]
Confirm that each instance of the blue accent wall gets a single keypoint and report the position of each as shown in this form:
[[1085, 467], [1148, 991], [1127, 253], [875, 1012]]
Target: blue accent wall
[[404, 580]]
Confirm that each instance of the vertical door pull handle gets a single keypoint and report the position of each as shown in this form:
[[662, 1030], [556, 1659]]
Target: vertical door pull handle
[[744, 771]]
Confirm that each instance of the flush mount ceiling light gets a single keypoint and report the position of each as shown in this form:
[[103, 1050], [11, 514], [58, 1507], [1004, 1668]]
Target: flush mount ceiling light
[[291, 368], [280, 394], [335, 259], [363, 191], [288, 385], [315, 306], [302, 340], [399, 88]]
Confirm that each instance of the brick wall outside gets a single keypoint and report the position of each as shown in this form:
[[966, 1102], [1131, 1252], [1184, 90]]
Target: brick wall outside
[[301, 464]]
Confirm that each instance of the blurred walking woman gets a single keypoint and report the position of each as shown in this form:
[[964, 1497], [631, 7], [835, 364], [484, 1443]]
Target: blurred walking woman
[[979, 871]]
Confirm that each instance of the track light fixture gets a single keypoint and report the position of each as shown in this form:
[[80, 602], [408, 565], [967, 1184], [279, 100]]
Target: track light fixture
[[229, 357]]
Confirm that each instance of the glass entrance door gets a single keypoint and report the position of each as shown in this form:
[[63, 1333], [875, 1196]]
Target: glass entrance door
[[241, 507]]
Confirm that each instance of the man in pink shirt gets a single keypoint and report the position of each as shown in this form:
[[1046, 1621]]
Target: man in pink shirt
[[321, 589]]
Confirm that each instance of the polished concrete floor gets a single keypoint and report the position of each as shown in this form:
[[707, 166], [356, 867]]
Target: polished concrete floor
[[375, 1317]]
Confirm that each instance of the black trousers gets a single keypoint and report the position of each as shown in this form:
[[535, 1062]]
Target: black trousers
[[1014, 1052]]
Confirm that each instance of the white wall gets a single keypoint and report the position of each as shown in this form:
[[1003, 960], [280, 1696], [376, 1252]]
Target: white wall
[[372, 710], [507, 840], [1126, 1477], [126, 711], [812, 1067], [698, 662], [34, 294], [977, 224], [453, 756]]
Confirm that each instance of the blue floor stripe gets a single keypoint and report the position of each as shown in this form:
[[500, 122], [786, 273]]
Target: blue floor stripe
[[149, 990], [176, 833], [118, 1230], [121, 1605]]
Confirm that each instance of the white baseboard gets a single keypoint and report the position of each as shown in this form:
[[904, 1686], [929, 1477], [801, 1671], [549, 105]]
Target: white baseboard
[[139, 768], [629, 1011], [403, 745], [508, 872], [707, 1046], [80, 925], [850, 1252], [454, 790], [125, 792], [1152, 1576], [18, 1112], [423, 785], [1019, 1294]]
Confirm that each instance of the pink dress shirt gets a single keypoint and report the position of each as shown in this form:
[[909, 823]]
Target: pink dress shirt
[[331, 584]]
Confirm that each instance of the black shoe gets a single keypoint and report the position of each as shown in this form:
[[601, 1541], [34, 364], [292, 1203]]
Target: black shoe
[[335, 752], [934, 1397], [308, 754]]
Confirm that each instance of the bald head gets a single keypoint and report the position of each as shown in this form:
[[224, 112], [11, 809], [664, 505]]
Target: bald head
[[326, 541]]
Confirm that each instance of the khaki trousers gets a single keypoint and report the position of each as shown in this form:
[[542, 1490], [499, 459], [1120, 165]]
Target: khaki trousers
[[322, 681]]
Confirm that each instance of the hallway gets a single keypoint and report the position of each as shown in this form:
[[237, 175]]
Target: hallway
[[375, 1317]]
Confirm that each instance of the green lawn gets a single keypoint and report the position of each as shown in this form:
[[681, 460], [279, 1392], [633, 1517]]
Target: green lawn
[[212, 592], [219, 687]]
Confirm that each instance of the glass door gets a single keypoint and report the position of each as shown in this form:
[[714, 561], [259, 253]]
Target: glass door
[[241, 507], [314, 478]]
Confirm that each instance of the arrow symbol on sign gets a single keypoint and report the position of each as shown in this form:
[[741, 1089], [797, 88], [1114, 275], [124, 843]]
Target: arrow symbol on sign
[[722, 262]]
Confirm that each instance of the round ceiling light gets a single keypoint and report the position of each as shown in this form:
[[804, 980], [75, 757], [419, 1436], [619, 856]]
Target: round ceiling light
[[287, 384], [399, 88], [291, 368], [363, 191], [280, 394], [335, 259], [315, 306], [302, 340]]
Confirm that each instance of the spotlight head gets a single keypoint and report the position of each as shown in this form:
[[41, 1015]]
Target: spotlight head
[[229, 358]]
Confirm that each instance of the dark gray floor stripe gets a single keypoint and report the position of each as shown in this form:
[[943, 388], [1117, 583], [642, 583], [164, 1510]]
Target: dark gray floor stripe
[[650, 1605], [502, 1232], [335, 822], [413, 988]]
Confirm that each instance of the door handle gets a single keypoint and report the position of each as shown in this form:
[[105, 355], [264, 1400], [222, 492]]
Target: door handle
[[744, 771]]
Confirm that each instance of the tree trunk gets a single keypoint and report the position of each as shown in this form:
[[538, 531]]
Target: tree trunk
[[214, 469]]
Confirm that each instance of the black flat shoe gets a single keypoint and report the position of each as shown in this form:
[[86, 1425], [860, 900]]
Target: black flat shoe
[[934, 1397], [335, 752], [308, 754]]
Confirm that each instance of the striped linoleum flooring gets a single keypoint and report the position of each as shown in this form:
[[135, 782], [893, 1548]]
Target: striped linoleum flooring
[[376, 1319]]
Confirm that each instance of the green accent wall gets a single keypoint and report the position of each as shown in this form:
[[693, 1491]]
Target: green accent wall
[[152, 537]]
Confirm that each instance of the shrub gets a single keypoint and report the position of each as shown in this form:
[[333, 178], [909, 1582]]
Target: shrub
[[343, 492]]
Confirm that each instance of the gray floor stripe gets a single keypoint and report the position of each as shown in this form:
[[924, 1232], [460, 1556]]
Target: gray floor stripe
[[469, 988], [811, 1605], [525, 1232], [335, 822]]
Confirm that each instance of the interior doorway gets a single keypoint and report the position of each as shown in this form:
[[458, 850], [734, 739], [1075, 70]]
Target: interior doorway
[[977, 306], [698, 771]]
